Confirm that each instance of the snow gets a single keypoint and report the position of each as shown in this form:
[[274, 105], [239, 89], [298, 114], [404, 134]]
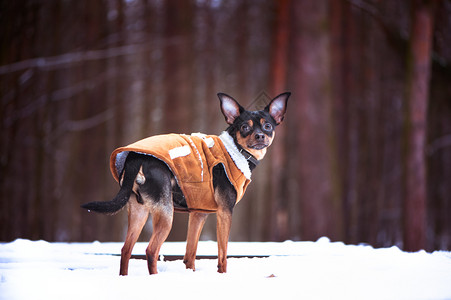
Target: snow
[[293, 270]]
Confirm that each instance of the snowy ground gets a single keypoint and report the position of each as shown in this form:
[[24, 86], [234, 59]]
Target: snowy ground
[[294, 270]]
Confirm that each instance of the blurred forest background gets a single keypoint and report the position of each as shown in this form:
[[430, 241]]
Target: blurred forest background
[[363, 156]]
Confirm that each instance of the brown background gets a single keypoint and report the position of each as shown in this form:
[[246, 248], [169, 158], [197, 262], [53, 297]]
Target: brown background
[[364, 154]]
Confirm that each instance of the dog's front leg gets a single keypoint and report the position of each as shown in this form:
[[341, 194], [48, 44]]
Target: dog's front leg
[[195, 224], [223, 224]]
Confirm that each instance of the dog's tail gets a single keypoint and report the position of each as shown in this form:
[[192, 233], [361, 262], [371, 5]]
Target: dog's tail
[[122, 197]]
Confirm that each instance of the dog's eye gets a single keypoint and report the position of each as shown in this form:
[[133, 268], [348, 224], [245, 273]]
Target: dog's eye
[[245, 128], [267, 127]]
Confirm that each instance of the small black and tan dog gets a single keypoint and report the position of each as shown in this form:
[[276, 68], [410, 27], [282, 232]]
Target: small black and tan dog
[[197, 173]]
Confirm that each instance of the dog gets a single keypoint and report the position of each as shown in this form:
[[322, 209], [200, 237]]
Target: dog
[[199, 174]]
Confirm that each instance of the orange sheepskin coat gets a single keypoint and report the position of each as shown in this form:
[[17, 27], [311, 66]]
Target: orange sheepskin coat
[[191, 159]]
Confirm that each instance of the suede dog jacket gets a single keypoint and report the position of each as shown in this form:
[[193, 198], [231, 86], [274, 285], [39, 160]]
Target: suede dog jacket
[[191, 159]]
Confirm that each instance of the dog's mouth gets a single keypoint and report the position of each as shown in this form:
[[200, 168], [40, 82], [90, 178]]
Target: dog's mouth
[[258, 146]]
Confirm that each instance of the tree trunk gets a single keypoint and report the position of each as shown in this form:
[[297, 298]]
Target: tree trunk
[[277, 214], [417, 91], [319, 201]]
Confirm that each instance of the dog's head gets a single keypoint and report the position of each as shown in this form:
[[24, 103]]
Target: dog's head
[[253, 130]]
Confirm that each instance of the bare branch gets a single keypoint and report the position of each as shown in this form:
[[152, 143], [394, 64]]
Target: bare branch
[[58, 95], [80, 125], [77, 57]]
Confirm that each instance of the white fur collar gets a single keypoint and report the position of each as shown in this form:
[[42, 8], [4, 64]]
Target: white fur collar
[[235, 154]]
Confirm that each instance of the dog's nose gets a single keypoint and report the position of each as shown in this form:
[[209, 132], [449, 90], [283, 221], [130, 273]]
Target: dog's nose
[[259, 136]]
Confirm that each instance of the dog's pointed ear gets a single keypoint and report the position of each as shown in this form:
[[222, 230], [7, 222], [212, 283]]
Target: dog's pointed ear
[[278, 107], [230, 108]]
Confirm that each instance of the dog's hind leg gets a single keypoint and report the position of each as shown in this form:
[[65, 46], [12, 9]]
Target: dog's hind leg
[[195, 224], [162, 216], [137, 217]]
